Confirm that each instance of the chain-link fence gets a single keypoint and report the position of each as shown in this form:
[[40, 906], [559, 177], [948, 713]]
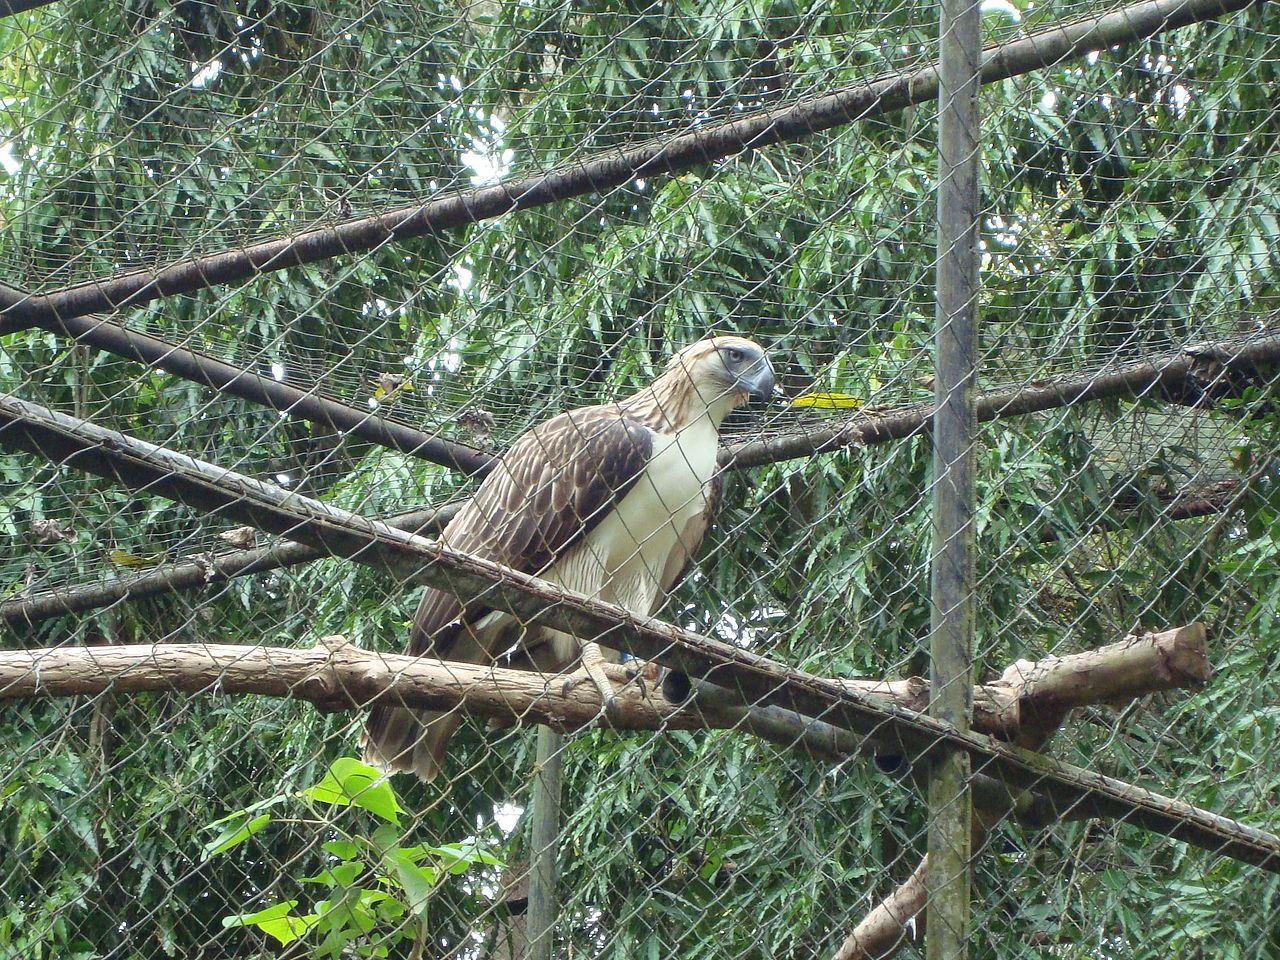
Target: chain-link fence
[[281, 285]]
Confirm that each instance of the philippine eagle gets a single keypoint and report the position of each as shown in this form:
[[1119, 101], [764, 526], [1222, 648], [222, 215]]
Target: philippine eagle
[[610, 501]]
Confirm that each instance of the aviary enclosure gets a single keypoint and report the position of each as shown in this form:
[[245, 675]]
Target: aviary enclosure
[[994, 576]]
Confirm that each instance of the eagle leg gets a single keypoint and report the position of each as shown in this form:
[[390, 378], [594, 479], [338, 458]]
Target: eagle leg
[[593, 662]]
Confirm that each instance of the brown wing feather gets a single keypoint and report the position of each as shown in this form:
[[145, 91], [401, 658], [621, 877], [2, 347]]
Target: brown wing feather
[[549, 490]]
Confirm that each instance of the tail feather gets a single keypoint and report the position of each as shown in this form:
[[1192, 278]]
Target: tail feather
[[401, 740]]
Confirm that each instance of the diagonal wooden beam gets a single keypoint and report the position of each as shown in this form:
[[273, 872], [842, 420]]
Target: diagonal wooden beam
[[9, 8], [604, 171], [151, 469], [310, 405], [13, 300]]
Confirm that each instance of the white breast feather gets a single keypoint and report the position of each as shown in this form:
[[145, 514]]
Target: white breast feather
[[622, 559], [634, 541]]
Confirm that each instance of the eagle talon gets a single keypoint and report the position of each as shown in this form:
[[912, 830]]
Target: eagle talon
[[611, 709], [636, 676], [608, 698]]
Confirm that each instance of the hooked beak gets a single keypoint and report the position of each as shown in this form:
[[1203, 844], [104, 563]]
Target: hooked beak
[[759, 382]]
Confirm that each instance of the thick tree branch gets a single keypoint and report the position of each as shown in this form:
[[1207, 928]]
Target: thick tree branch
[[146, 467], [338, 676], [601, 172], [13, 300], [882, 931], [1045, 690], [268, 392], [334, 675]]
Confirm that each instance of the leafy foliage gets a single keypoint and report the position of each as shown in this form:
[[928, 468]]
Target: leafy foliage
[[378, 887], [1131, 207]]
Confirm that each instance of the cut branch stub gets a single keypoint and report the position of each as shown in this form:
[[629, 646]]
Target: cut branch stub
[[1045, 690], [1039, 695]]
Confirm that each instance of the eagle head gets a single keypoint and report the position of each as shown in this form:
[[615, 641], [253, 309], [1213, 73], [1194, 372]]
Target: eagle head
[[733, 365]]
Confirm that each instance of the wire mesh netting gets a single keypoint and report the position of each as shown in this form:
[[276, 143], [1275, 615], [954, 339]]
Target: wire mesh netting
[[193, 188]]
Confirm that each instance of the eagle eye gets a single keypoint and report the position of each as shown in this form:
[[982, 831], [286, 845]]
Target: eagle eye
[[735, 355]]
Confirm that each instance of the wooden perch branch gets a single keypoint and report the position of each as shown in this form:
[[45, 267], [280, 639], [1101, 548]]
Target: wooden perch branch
[[1044, 691], [335, 675], [338, 676], [604, 171], [765, 682]]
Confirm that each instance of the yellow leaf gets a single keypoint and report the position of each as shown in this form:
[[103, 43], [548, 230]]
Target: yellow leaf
[[828, 401], [131, 560], [390, 384]]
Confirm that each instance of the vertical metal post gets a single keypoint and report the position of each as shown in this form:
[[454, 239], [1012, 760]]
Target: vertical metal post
[[954, 492], [544, 851]]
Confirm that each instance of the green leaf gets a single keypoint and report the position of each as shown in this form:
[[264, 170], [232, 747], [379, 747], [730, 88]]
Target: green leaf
[[276, 920], [418, 882], [341, 848], [348, 782], [343, 875], [459, 857], [233, 835], [257, 805], [269, 913]]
